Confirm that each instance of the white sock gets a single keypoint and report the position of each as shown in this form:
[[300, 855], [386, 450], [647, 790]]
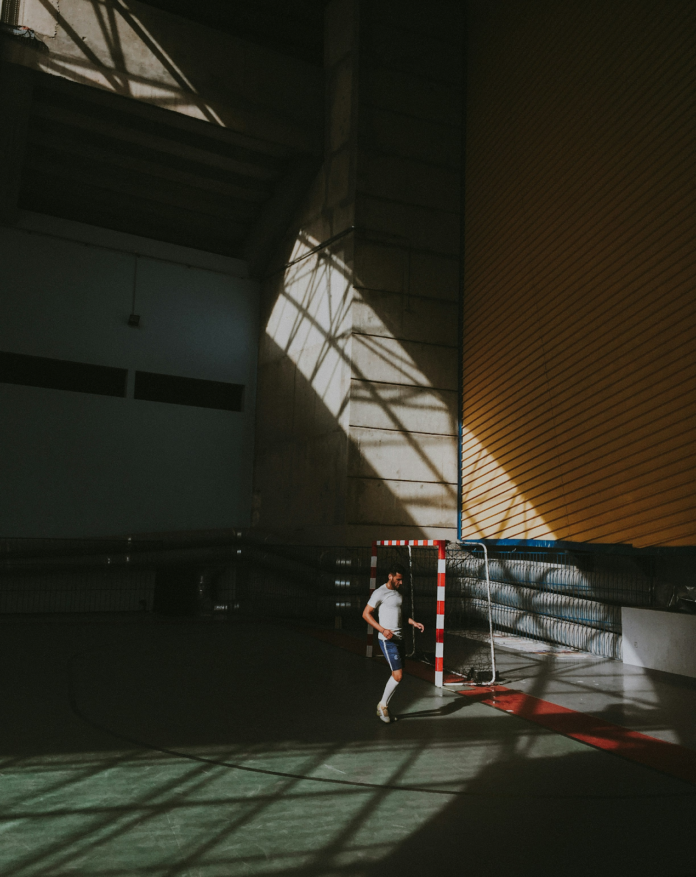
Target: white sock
[[390, 688]]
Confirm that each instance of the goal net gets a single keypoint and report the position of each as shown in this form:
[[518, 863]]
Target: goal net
[[456, 641]]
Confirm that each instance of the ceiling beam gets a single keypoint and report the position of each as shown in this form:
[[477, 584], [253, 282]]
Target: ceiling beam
[[116, 131], [114, 181], [52, 146], [134, 215], [57, 91]]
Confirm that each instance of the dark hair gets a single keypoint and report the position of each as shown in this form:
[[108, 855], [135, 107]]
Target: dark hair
[[396, 569]]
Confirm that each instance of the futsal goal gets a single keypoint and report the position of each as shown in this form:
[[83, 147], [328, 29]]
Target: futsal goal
[[454, 642]]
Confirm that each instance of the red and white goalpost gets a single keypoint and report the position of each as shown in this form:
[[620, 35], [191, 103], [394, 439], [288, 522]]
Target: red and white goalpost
[[441, 545]]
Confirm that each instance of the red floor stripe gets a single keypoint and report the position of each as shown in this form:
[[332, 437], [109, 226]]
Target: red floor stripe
[[668, 758]]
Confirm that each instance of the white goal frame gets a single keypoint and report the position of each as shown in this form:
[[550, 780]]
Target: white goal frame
[[441, 545]]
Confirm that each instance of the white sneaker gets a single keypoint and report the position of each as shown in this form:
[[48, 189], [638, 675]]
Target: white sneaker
[[383, 714]]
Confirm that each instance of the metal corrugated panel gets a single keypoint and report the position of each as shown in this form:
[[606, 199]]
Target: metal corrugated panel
[[579, 417]]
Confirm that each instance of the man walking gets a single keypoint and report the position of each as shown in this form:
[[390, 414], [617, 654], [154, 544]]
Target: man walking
[[387, 601]]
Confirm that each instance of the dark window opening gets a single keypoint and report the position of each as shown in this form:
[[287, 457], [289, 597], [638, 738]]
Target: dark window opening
[[152, 387], [61, 374]]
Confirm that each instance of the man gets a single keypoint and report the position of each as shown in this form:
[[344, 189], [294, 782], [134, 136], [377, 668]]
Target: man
[[387, 601]]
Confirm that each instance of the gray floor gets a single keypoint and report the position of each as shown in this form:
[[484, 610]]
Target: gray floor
[[654, 703], [146, 747]]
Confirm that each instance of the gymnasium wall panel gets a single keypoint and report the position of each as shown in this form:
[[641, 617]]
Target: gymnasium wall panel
[[110, 428]]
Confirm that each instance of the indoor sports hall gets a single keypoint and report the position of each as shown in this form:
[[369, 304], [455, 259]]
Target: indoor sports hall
[[348, 393]]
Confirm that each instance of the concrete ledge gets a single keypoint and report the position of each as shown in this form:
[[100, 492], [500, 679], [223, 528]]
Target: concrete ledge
[[659, 640]]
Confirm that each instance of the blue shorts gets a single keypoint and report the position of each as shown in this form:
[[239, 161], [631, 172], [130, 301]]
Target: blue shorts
[[393, 651]]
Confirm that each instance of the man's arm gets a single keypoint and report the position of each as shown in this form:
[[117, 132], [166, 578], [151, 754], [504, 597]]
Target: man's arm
[[372, 621], [416, 624]]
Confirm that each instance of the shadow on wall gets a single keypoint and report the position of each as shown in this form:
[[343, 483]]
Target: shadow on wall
[[323, 414], [357, 430], [138, 51], [304, 444], [486, 482], [95, 44]]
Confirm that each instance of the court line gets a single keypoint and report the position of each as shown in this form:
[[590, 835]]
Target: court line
[[667, 758], [457, 793]]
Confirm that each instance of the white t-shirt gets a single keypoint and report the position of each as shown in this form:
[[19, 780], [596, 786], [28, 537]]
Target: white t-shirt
[[387, 602]]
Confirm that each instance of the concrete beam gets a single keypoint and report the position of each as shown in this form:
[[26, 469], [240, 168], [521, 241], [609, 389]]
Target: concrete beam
[[79, 148], [388, 349], [85, 204], [201, 155], [55, 90], [126, 183], [134, 50]]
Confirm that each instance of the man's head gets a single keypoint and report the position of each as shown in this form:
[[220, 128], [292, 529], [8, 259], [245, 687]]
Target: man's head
[[395, 577]]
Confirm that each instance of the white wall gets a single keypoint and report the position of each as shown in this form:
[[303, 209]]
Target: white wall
[[73, 464], [659, 640]]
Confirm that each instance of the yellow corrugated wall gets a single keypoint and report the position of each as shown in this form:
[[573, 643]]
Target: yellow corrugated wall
[[579, 361]]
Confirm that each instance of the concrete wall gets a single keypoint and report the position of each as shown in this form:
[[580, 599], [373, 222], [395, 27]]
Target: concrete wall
[[305, 346], [659, 640], [141, 52], [77, 464], [403, 412], [357, 419]]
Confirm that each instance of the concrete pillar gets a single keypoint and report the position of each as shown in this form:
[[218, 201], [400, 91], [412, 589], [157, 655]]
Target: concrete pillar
[[305, 347], [15, 104], [403, 413], [357, 429]]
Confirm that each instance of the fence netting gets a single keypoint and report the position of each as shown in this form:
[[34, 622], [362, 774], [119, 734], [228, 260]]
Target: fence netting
[[571, 598]]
